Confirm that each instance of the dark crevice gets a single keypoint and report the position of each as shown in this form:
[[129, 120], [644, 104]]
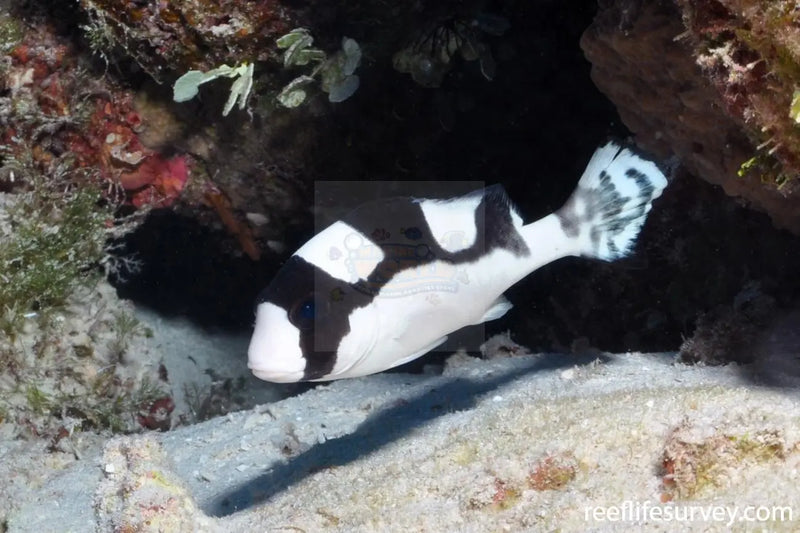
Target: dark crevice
[[191, 270]]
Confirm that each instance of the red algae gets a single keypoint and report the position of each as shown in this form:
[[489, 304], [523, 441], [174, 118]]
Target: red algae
[[62, 116]]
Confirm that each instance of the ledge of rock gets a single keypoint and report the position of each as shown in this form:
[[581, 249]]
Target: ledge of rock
[[531, 442], [646, 61]]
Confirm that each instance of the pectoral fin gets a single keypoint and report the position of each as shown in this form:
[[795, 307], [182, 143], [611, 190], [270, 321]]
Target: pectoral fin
[[420, 353], [500, 307]]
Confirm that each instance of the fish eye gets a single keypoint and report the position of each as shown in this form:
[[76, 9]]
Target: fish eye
[[303, 313]]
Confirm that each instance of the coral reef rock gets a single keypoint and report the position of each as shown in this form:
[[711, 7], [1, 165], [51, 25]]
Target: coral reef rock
[[677, 100], [163, 36], [140, 492]]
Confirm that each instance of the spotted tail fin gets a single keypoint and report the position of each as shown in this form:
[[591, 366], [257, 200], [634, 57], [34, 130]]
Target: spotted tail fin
[[609, 206]]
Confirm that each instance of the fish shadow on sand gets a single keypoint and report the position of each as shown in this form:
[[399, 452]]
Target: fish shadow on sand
[[381, 428]]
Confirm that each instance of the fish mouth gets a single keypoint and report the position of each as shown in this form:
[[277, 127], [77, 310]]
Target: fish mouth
[[277, 377]]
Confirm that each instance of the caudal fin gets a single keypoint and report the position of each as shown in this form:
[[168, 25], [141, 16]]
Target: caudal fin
[[609, 206]]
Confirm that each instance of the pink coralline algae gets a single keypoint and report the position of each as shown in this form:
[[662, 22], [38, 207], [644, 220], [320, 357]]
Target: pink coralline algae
[[62, 117], [157, 181]]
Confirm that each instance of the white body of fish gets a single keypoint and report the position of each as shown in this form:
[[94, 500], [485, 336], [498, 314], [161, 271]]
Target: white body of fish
[[348, 305]]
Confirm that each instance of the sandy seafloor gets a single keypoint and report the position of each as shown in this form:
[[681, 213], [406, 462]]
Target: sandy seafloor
[[526, 443]]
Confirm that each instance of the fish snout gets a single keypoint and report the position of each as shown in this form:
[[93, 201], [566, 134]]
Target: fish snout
[[275, 353]]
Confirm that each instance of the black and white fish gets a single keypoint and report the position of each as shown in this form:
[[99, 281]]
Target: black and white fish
[[389, 282]]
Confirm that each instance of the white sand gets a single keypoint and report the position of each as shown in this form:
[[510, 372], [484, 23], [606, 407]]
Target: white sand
[[527, 443]]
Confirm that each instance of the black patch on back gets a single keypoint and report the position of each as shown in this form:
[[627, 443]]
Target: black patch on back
[[494, 214], [495, 230], [399, 228]]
